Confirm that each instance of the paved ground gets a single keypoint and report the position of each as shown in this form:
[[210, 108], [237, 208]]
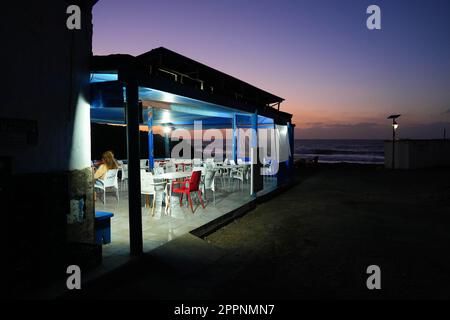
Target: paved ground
[[314, 241]]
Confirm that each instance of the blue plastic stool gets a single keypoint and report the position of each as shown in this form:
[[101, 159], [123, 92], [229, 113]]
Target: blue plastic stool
[[102, 227]]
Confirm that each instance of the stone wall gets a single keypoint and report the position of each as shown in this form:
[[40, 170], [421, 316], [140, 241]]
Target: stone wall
[[81, 192]]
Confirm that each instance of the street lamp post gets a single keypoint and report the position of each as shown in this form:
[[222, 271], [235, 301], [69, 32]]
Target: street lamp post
[[394, 129]]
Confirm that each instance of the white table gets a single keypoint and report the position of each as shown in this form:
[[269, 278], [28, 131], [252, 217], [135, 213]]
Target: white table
[[173, 175]]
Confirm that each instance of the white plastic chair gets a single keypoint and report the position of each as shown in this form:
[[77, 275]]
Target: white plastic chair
[[149, 187], [158, 170], [170, 167], [124, 169], [230, 171], [225, 172], [110, 181], [208, 182], [217, 169], [188, 165], [240, 175], [144, 163], [268, 168], [178, 164]]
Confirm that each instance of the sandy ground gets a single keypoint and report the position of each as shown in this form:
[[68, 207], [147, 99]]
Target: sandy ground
[[316, 241]]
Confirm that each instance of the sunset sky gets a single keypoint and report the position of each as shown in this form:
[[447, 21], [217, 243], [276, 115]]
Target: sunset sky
[[339, 79]]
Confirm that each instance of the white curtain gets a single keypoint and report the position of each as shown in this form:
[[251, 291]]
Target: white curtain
[[283, 143]]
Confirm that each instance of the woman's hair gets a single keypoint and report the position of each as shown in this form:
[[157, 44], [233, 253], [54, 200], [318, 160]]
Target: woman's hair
[[109, 161]]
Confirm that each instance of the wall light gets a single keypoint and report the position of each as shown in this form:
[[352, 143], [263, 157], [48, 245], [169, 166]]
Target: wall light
[[167, 129], [165, 117]]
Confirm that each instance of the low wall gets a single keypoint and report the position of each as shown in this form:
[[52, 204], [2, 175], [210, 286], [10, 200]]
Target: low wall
[[416, 154]]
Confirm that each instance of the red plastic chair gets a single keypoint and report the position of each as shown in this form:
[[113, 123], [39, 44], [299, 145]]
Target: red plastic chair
[[189, 185]]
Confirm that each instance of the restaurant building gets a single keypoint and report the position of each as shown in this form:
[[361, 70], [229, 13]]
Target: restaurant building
[[65, 107], [162, 90]]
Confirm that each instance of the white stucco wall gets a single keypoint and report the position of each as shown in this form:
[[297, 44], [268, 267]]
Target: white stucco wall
[[415, 154]]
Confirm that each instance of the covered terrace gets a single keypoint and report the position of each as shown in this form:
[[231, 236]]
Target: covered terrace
[[241, 147]]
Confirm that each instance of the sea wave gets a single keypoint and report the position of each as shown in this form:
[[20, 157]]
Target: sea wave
[[353, 151], [342, 151]]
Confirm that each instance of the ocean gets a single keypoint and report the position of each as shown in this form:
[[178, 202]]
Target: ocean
[[332, 151]]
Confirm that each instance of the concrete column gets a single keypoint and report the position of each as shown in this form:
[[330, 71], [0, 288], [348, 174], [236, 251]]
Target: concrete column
[[151, 158], [256, 178], [134, 178], [234, 141]]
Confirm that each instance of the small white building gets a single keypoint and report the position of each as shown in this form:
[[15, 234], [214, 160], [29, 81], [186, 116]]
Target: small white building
[[416, 154]]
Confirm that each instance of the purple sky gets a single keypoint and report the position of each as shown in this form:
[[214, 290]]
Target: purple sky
[[339, 79]]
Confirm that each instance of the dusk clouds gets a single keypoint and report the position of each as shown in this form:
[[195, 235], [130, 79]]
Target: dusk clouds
[[372, 131], [318, 55]]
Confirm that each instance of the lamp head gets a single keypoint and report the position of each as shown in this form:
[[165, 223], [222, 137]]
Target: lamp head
[[394, 124]]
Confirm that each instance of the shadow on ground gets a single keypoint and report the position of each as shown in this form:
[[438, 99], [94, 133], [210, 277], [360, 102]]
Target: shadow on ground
[[313, 241]]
